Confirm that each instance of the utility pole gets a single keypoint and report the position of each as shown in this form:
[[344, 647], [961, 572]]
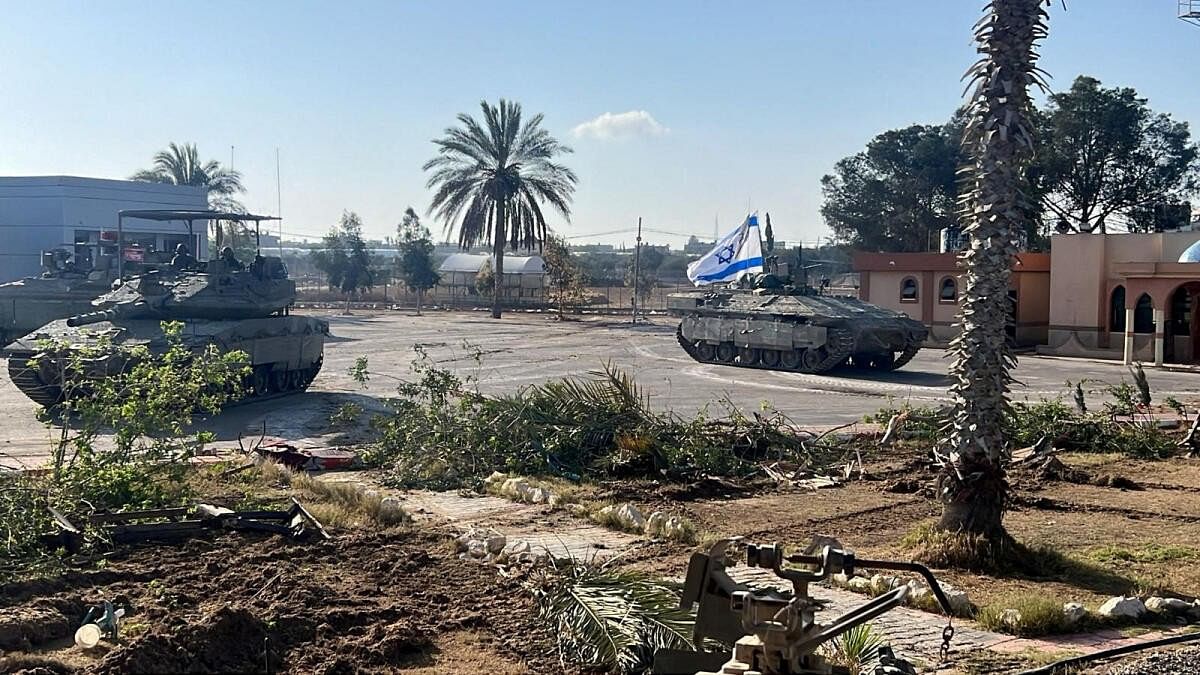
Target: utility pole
[[637, 269], [279, 202]]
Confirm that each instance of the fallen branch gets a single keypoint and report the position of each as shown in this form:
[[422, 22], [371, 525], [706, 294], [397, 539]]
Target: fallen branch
[[893, 427]]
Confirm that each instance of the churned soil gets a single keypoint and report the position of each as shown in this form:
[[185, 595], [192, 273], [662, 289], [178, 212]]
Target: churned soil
[[362, 603]]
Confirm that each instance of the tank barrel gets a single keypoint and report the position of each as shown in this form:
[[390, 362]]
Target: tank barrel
[[92, 317]]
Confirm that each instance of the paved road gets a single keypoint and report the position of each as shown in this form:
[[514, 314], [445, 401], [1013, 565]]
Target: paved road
[[527, 348]]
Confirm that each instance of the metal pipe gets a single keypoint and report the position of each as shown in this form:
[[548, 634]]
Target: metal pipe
[[1115, 651], [120, 246]]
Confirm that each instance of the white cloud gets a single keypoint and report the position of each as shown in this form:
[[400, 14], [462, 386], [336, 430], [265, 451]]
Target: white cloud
[[630, 124]]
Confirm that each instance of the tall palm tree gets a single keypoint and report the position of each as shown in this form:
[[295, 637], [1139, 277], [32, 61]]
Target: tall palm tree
[[181, 165], [998, 139], [491, 179]]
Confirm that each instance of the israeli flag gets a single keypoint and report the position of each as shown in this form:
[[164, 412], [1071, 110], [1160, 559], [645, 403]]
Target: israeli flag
[[737, 254]]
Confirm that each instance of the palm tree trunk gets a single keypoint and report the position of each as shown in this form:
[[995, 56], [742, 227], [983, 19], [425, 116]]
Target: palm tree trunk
[[972, 482], [498, 254]]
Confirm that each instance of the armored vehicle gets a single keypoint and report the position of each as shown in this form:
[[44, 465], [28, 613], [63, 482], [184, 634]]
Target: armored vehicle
[[769, 323], [220, 303], [62, 290]]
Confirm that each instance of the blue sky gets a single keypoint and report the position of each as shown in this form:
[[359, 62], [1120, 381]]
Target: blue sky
[[750, 102]]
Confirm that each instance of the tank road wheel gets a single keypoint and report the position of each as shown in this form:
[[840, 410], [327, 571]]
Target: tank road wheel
[[260, 381], [706, 351], [295, 380], [885, 361], [726, 352], [748, 356], [279, 381], [770, 358], [791, 359], [811, 359]]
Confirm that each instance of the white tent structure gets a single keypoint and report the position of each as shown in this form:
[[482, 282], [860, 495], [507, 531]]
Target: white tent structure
[[524, 276]]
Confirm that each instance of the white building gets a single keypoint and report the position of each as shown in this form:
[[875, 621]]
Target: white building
[[39, 213], [523, 275]]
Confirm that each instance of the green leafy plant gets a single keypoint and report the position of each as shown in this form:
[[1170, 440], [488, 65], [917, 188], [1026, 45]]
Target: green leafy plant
[[346, 415], [856, 647], [610, 619]]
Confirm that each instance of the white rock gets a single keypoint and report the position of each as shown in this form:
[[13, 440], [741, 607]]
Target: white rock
[[819, 542], [631, 516], [859, 584], [674, 528], [1167, 605], [496, 477], [514, 487], [1074, 612], [839, 579], [495, 542], [1010, 618], [539, 495], [654, 524], [519, 548], [917, 590], [959, 602], [477, 548], [1122, 607], [881, 584], [554, 500]]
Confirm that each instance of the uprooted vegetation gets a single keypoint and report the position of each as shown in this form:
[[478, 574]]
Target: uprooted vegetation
[[443, 433]]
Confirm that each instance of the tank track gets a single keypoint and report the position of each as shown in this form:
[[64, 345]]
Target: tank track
[[30, 382], [839, 345], [911, 348]]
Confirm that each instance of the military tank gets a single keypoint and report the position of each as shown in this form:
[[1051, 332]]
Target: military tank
[[219, 303], [767, 322], [61, 291]]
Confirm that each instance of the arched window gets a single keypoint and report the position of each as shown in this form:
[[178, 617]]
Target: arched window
[[1181, 311], [1143, 315], [948, 291], [908, 290], [1116, 319]]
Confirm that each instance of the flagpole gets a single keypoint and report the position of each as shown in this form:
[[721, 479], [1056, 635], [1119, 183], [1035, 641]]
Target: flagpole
[[637, 263]]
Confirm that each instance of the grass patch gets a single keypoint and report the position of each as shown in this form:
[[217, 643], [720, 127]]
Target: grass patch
[[336, 504], [1146, 553], [1039, 616]]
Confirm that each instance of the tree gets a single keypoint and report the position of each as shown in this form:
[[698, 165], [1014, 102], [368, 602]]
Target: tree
[[1000, 145], [345, 258], [492, 180], [647, 272], [1105, 157], [899, 192], [486, 279], [414, 260], [564, 272], [181, 165]]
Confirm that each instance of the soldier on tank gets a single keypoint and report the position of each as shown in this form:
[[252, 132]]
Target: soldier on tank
[[231, 260], [183, 260]]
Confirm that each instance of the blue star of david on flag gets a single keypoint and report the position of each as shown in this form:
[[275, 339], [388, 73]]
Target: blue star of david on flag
[[737, 254]]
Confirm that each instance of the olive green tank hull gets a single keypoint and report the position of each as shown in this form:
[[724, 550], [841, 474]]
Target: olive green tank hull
[[285, 352], [793, 332]]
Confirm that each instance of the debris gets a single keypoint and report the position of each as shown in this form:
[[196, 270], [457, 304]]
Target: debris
[[1011, 618], [819, 542], [893, 426], [904, 486], [1160, 605], [496, 477], [1122, 607], [101, 622], [1074, 612], [818, 482], [654, 524], [306, 459]]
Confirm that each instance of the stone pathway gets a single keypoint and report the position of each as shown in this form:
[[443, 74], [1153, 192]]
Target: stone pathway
[[914, 634]]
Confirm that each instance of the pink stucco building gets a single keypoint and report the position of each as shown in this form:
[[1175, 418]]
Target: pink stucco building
[[1119, 296]]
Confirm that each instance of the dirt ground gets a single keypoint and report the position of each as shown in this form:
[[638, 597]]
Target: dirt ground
[[243, 603]]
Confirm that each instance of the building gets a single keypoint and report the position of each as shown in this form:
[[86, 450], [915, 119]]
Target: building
[[39, 213], [524, 276], [1129, 297], [925, 286], [1125, 296]]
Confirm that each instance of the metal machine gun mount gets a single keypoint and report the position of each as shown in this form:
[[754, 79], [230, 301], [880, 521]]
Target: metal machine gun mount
[[775, 632]]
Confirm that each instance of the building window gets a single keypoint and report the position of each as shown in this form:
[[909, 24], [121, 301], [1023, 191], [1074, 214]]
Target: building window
[[948, 292], [1116, 320], [1143, 315], [908, 290]]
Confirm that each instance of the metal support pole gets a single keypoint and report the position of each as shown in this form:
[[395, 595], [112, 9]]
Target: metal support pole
[[1128, 336], [1160, 331], [637, 269], [120, 246]]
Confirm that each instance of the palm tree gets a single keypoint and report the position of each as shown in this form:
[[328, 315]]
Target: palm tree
[[999, 142], [492, 179], [181, 165]]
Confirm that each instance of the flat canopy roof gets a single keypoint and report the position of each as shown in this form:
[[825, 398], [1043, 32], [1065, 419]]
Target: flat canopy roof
[[192, 215]]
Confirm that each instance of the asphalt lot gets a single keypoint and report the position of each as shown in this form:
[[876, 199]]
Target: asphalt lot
[[523, 349]]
